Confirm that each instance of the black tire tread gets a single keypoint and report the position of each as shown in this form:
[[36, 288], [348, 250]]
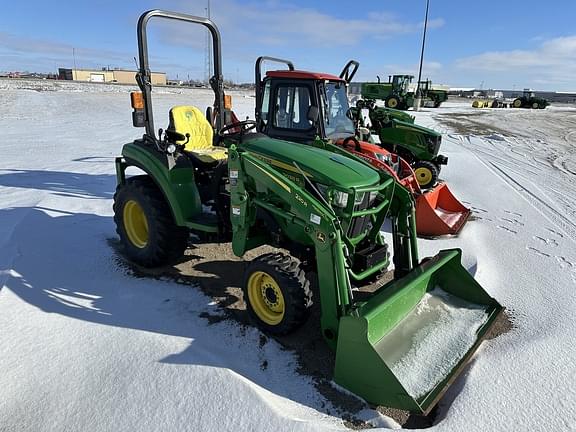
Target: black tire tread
[[168, 241], [294, 284], [433, 169]]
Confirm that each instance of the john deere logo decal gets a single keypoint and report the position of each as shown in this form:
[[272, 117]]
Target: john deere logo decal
[[189, 115]]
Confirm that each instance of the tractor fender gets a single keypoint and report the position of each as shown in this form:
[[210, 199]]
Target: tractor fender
[[174, 178]]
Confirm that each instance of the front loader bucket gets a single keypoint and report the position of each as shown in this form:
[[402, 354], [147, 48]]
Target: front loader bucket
[[438, 212], [407, 344]]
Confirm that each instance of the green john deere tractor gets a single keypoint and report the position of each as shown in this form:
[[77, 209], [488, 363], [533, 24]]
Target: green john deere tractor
[[432, 97], [397, 94], [529, 100], [391, 113], [418, 145], [325, 210]]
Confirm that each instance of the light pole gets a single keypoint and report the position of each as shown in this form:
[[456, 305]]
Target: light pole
[[74, 60], [418, 98]]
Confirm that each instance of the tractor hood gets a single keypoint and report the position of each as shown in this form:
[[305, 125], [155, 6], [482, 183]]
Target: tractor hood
[[414, 127], [319, 165], [397, 114]]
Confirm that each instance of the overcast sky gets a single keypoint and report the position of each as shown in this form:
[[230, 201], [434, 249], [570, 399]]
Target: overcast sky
[[494, 44]]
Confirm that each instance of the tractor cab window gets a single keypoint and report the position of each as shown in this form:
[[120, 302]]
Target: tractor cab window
[[291, 109], [335, 111], [401, 82], [265, 104]]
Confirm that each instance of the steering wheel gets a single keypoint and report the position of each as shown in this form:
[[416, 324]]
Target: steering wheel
[[237, 130], [354, 141]]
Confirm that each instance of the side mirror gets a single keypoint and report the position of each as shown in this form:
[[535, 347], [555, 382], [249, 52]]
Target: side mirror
[[313, 114]]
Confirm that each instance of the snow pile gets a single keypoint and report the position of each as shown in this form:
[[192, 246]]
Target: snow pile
[[428, 343]]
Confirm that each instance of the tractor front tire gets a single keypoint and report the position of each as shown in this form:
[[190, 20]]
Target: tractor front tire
[[144, 222], [277, 293], [517, 103], [535, 105], [426, 174]]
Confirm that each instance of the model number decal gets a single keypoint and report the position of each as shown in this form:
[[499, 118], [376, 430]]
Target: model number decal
[[301, 200]]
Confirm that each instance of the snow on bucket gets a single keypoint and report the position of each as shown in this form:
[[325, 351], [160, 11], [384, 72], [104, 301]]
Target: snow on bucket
[[426, 345], [406, 344]]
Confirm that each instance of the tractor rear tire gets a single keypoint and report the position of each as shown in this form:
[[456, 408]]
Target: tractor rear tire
[[144, 222], [392, 102], [277, 293], [426, 174], [517, 103]]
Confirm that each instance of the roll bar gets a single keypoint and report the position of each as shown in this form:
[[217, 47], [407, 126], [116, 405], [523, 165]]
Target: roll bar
[[347, 74], [258, 80], [143, 77]]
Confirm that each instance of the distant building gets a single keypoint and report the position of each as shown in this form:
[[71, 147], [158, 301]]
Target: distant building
[[107, 75]]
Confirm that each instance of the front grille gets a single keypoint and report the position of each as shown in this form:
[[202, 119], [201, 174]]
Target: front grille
[[360, 224]]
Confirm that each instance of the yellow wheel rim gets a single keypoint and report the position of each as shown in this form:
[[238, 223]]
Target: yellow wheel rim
[[266, 298], [423, 175], [393, 103], [136, 224], [517, 104]]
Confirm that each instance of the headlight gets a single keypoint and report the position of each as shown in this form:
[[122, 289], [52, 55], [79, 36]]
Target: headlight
[[340, 199], [372, 197], [433, 144]]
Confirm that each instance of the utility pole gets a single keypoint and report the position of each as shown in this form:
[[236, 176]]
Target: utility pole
[[418, 98], [208, 54], [74, 61]]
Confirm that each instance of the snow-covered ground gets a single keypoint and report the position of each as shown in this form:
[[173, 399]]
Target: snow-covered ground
[[87, 345]]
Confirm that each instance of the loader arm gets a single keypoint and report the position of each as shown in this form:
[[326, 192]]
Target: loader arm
[[311, 218]]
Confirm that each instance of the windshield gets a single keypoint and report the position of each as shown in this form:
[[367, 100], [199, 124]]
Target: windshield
[[334, 107]]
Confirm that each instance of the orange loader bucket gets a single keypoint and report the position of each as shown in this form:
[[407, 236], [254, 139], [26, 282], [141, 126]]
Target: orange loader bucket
[[438, 212]]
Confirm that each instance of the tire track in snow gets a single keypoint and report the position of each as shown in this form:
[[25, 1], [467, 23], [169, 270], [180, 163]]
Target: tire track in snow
[[520, 169], [552, 214]]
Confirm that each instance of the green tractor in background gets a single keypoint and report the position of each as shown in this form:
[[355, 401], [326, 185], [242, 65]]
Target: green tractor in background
[[397, 132], [324, 209], [432, 97], [398, 94], [395, 93], [529, 100]]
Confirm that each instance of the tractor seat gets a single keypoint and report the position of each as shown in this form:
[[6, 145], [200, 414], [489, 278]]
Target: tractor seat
[[190, 120]]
